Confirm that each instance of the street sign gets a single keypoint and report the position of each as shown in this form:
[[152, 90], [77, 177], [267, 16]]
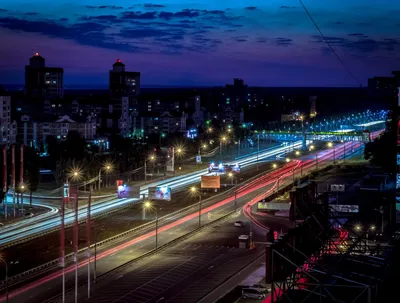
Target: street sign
[[337, 187], [198, 159], [66, 190]]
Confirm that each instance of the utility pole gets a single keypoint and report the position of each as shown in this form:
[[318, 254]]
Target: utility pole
[[5, 181], [88, 235], [76, 230], [62, 247], [258, 148]]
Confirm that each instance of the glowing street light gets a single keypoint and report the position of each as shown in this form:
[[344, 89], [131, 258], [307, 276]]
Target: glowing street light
[[274, 165], [297, 153], [146, 205], [152, 158], [288, 160], [358, 227], [107, 167], [223, 139], [330, 145]]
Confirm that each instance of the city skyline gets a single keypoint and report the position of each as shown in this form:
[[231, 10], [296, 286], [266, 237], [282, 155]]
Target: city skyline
[[177, 43]]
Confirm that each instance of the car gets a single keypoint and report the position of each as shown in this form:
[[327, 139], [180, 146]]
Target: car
[[239, 224], [29, 215], [252, 293], [260, 287]]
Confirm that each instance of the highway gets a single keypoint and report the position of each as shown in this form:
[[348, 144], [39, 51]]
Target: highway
[[128, 249], [32, 229]]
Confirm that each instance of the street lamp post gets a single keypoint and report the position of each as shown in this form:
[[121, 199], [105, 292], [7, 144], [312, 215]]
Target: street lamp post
[[95, 253], [258, 148], [6, 266], [152, 158], [194, 190], [22, 188], [157, 209], [107, 168], [330, 145]]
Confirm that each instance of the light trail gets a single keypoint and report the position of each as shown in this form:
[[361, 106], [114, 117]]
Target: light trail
[[322, 156], [263, 181], [270, 178], [175, 183]]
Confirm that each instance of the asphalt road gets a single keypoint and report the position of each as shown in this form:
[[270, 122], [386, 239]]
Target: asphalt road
[[183, 273], [104, 227], [124, 251], [42, 289]]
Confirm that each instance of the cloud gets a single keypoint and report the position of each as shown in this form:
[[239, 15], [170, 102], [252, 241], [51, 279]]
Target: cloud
[[150, 32], [186, 13], [139, 15], [149, 5], [359, 43], [110, 18], [288, 7], [3, 10], [283, 41], [85, 33], [356, 35], [31, 14], [104, 7], [251, 8]]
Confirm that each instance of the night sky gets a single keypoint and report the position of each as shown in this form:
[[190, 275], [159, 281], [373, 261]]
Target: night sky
[[172, 42]]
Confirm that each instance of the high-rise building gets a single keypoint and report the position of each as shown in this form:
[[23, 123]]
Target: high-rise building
[[41, 81], [122, 82], [380, 83], [7, 129], [313, 106]]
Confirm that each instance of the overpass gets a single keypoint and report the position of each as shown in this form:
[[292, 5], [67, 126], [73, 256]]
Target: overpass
[[359, 132]]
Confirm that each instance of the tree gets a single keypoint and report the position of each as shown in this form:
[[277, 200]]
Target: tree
[[74, 146], [32, 170], [382, 151]]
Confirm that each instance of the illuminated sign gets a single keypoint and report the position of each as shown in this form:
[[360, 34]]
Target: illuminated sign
[[128, 191], [345, 208], [160, 193], [210, 182], [66, 190], [398, 181], [398, 159]]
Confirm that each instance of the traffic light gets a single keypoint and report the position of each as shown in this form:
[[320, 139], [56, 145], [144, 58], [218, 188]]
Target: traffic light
[[275, 235]]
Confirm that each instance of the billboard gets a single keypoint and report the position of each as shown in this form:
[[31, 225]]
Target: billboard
[[345, 208], [128, 191], [210, 182], [160, 193]]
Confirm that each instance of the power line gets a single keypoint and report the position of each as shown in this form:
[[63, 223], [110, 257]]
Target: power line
[[329, 45]]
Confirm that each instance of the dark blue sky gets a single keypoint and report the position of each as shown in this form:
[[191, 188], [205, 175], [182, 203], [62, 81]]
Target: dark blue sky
[[267, 43]]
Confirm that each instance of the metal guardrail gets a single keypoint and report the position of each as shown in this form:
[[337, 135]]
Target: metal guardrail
[[148, 254], [50, 265]]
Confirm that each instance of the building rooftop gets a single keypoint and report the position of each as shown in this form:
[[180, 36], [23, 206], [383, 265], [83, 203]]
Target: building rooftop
[[118, 63]]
